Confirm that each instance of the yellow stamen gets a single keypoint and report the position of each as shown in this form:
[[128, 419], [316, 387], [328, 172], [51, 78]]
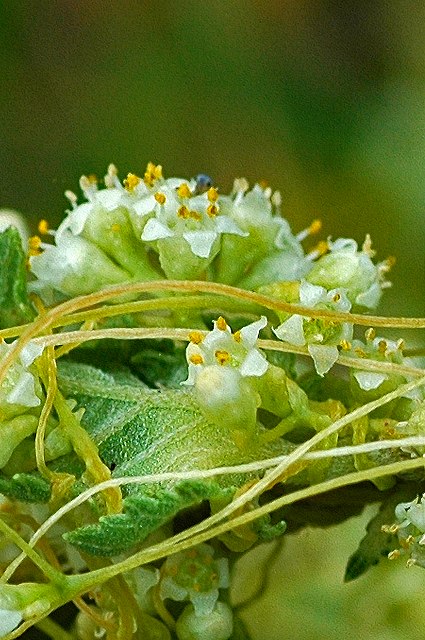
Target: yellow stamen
[[160, 198], [195, 215], [153, 172], [315, 227], [322, 247], [92, 178], [43, 227], [196, 337], [360, 352], [212, 210], [115, 228], [393, 555], [345, 345], [34, 246], [337, 297], [183, 212], [212, 194], [382, 346], [263, 184], [237, 336], [222, 357], [401, 344], [221, 324], [131, 182], [196, 358], [183, 191], [370, 334]]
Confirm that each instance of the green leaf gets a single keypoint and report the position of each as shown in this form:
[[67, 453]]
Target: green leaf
[[377, 544], [141, 431], [25, 487], [15, 307]]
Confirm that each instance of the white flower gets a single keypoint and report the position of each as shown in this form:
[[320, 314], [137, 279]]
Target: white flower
[[196, 576], [320, 335], [381, 350], [344, 266], [220, 348], [20, 386], [179, 213]]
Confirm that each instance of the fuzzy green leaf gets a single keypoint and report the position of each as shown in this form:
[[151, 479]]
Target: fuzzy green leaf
[[15, 307], [142, 431], [25, 487]]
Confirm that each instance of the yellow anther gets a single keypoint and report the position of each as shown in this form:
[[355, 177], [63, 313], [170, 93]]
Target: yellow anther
[[411, 562], [336, 297], [370, 334], [153, 172], [345, 345], [34, 246], [92, 178], [237, 336], [131, 182], [393, 555], [115, 228], [43, 227], [183, 212], [400, 344], [360, 352], [160, 198], [183, 191], [221, 324], [70, 195], [212, 194], [195, 215], [196, 358], [382, 346], [263, 184], [196, 337], [222, 357], [315, 227], [212, 210], [322, 247]]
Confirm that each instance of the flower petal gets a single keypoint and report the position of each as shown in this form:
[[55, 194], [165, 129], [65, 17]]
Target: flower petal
[[145, 205], [224, 224], [292, 331], [249, 334], [369, 380], [324, 357], [255, 364], [200, 242], [155, 230]]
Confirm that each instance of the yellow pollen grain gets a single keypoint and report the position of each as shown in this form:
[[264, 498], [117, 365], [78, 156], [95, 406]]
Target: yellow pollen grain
[[115, 228], [131, 182], [34, 242], [212, 210], [160, 198], [315, 227], [221, 324], [237, 336], [222, 357], [153, 172], [263, 184], [43, 227], [195, 215], [196, 337], [212, 194], [337, 297], [183, 191], [92, 178], [400, 344], [196, 358], [370, 334], [183, 212]]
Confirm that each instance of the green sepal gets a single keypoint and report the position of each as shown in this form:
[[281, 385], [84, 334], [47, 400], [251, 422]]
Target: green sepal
[[15, 306]]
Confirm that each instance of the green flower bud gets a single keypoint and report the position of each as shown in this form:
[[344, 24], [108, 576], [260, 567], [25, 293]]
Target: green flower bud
[[217, 625], [352, 270]]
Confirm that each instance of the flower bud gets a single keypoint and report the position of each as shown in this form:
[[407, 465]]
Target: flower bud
[[217, 625]]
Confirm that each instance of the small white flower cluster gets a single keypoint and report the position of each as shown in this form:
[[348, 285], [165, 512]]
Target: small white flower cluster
[[410, 529], [196, 576]]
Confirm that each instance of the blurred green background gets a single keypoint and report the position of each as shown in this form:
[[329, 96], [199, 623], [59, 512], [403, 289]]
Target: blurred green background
[[324, 99]]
